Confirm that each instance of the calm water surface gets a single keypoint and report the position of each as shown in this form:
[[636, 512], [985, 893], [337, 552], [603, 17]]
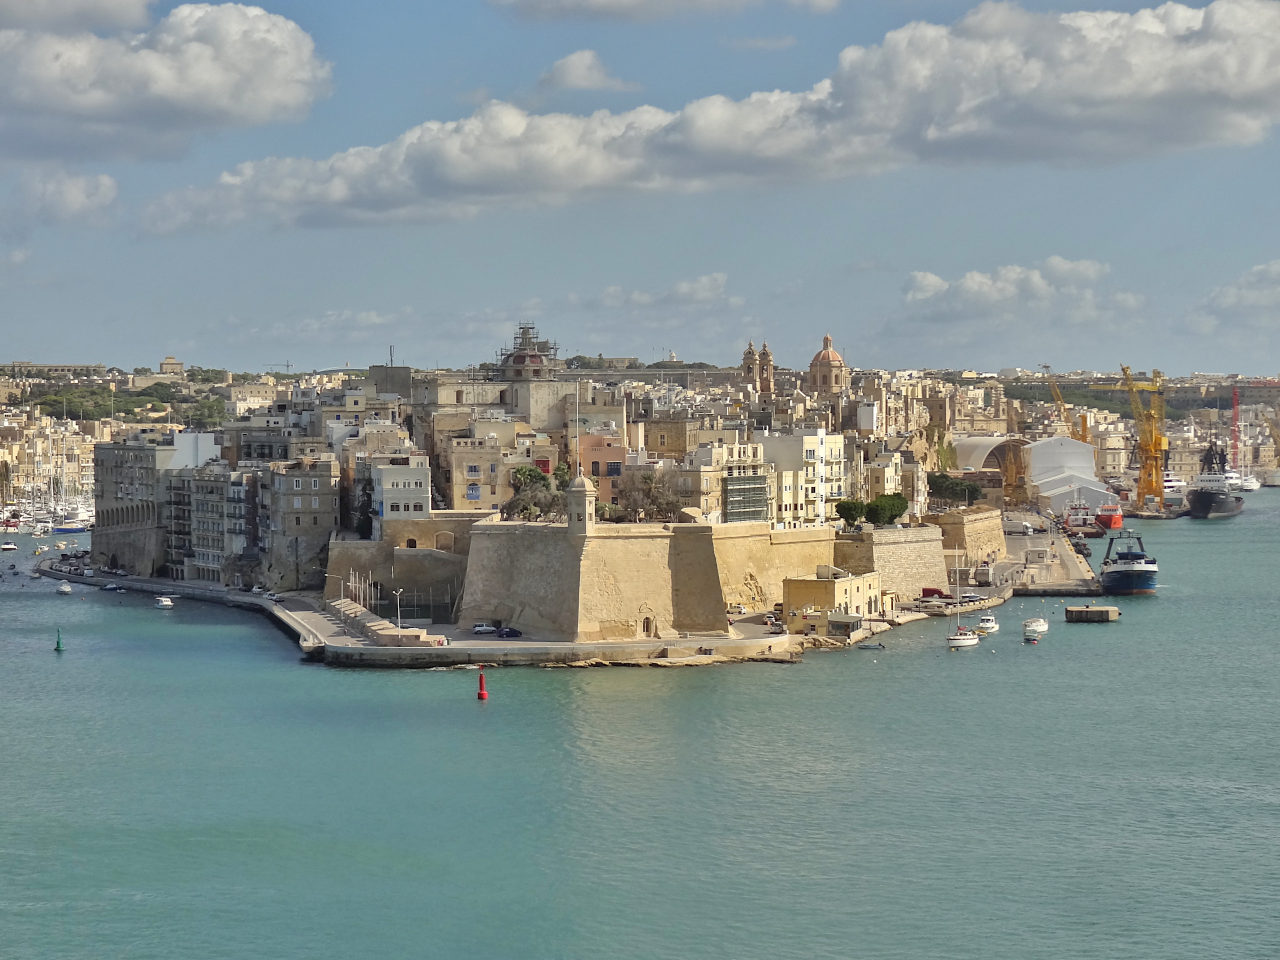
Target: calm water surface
[[176, 784]]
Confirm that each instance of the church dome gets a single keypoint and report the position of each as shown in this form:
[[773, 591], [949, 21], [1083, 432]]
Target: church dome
[[827, 354]]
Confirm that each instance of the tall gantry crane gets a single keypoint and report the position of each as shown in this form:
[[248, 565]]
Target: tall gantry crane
[[1078, 426], [1152, 444]]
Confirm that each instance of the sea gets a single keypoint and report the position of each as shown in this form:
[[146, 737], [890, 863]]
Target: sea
[[178, 784]]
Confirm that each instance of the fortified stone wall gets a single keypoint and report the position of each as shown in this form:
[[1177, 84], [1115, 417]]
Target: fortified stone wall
[[447, 530], [432, 574], [907, 559], [137, 548], [975, 532], [525, 574], [627, 587], [753, 560]]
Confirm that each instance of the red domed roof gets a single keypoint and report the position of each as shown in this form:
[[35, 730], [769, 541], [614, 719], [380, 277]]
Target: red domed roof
[[827, 354]]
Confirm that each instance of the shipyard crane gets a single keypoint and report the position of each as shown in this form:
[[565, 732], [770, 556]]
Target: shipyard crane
[[1152, 444], [1077, 426]]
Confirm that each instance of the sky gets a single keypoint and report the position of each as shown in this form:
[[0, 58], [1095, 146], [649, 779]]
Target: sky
[[933, 183]]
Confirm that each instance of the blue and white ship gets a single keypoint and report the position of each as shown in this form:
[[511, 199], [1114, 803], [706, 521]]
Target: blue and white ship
[[1127, 568]]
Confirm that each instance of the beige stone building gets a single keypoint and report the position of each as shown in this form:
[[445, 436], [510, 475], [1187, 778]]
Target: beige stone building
[[298, 513]]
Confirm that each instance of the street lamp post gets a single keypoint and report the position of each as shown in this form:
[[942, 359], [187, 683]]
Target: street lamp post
[[397, 593], [341, 585]]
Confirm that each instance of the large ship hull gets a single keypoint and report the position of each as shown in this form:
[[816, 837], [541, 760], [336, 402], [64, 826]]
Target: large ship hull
[[1212, 504], [1129, 583]]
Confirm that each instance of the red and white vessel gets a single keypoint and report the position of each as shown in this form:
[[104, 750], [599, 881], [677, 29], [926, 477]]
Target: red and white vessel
[[1079, 520], [1109, 517]]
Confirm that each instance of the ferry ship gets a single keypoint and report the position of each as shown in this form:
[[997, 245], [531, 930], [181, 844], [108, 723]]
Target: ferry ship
[[1127, 569]]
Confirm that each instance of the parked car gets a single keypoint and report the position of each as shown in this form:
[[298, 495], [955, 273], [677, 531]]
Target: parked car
[[509, 632], [737, 608], [972, 596], [777, 608], [257, 588], [777, 627], [274, 596], [484, 628]]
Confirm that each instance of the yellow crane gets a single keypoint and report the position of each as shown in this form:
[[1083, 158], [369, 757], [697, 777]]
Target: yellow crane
[[1152, 444], [1077, 426]]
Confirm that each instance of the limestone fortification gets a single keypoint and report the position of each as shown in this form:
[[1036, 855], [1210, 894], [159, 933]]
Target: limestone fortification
[[907, 558], [633, 580]]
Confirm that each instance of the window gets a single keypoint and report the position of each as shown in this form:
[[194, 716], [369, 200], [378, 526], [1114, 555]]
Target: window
[[315, 503], [315, 483], [595, 468], [395, 508], [417, 508], [297, 483], [473, 470], [493, 468], [297, 521], [297, 503], [613, 468], [315, 521]]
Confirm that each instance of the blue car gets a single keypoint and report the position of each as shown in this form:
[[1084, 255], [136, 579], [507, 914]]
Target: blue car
[[509, 632]]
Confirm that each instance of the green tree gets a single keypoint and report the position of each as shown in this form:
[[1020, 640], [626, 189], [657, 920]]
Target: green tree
[[561, 477], [649, 495], [886, 508], [953, 490], [143, 371], [851, 511]]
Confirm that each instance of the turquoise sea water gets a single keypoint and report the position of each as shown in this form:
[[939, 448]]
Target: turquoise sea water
[[178, 785]]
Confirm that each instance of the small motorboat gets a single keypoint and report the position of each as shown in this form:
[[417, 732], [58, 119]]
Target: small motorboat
[[1030, 638], [1035, 625], [164, 603], [869, 645], [987, 623], [110, 587], [8, 545], [64, 588]]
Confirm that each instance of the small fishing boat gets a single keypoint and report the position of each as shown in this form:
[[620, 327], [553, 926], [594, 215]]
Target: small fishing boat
[[164, 603], [869, 645], [1036, 625], [987, 623]]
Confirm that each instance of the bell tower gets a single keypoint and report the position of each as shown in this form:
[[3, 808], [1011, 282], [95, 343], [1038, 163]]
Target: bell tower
[[751, 367]]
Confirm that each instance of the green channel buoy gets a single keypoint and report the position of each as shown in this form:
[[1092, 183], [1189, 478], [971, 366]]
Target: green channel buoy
[[58, 648]]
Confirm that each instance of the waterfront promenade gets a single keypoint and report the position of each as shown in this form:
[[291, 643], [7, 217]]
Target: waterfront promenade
[[314, 623]]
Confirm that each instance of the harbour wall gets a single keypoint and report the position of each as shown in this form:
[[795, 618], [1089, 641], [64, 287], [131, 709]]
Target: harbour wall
[[907, 558]]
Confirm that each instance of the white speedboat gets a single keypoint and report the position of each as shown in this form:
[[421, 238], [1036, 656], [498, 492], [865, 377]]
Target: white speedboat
[[987, 623], [1036, 625], [8, 545], [164, 603], [64, 587], [1248, 484]]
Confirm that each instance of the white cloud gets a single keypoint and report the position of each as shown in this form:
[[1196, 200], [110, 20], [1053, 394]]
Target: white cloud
[[56, 197], [199, 68], [1252, 300], [643, 9], [582, 70], [1001, 84], [73, 14], [1057, 290], [18, 256]]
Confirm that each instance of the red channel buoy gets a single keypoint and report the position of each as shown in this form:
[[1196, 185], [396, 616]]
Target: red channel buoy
[[482, 693]]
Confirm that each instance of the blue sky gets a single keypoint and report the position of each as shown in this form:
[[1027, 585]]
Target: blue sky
[[934, 183]]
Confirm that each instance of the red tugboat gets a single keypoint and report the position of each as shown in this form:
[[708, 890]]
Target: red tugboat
[[1109, 517]]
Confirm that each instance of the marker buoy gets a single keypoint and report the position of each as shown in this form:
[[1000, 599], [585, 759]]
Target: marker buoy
[[58, 648], [482, 693]]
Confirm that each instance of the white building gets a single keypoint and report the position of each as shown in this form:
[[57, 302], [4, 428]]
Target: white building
[[811, 476], [401, 490]]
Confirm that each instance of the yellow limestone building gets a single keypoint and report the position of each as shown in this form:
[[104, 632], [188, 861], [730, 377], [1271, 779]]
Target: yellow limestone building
[[595, 582]]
